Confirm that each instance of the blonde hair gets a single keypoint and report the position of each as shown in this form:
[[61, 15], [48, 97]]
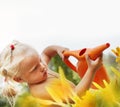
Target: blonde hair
[[10, 61]]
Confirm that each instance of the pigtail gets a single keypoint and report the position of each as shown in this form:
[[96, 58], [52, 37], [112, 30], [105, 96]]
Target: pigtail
[[9, 92], [9, 88]]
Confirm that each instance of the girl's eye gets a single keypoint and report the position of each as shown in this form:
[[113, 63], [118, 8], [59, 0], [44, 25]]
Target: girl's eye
[[35, 68]]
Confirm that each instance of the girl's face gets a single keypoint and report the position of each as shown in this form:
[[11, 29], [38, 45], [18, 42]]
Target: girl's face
[[33, 70]]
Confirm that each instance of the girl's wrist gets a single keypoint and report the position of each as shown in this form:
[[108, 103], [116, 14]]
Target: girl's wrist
[[92, 69]]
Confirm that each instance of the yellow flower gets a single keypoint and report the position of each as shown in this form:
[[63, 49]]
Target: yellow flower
[[108, 95], [117, 53], [88, 100], [115, 71], [60, 90]]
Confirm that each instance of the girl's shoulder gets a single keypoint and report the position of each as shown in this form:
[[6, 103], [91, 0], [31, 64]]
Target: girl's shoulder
[[40, 90]]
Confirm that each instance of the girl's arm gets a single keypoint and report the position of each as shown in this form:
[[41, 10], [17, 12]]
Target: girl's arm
[[88, 77], [51, 51]]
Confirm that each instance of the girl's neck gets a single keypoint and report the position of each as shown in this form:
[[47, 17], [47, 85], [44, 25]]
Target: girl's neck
[[52, 74]]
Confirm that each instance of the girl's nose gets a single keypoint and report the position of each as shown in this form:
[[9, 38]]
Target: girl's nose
[[42, 66]]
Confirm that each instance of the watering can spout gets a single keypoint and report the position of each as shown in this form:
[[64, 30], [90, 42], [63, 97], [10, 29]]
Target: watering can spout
[[92, 52], [96, 52]]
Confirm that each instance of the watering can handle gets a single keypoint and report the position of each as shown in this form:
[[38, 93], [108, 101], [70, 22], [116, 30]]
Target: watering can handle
[[66, 55], [67, 61]]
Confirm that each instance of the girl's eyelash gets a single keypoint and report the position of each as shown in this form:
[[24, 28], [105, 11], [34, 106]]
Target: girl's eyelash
[[35, 67]]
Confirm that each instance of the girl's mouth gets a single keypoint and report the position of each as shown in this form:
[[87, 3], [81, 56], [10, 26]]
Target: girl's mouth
[[44, 72]]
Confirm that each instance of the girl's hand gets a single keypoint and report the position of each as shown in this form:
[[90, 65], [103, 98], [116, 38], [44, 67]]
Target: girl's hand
[[60, 51], [94, 64]]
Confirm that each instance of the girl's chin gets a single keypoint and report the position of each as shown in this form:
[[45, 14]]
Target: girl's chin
[[44, 78]]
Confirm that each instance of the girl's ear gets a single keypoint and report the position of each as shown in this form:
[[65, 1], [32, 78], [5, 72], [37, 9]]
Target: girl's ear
[[18, 79]]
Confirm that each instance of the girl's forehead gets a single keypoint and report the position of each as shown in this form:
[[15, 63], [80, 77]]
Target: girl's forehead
[[29, 61]]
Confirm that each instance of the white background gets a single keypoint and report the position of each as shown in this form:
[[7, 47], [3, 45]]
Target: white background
[[71, 23]]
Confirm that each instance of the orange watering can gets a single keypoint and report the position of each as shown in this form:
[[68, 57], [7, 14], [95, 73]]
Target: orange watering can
[[81, 67]]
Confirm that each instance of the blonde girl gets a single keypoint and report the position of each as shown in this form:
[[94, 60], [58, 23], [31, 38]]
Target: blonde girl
[[22, 63]]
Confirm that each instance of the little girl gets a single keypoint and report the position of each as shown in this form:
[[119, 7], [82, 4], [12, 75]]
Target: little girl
[[22, 63]]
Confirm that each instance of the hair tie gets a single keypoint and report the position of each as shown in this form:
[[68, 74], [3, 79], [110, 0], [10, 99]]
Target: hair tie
[[12, 47]]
